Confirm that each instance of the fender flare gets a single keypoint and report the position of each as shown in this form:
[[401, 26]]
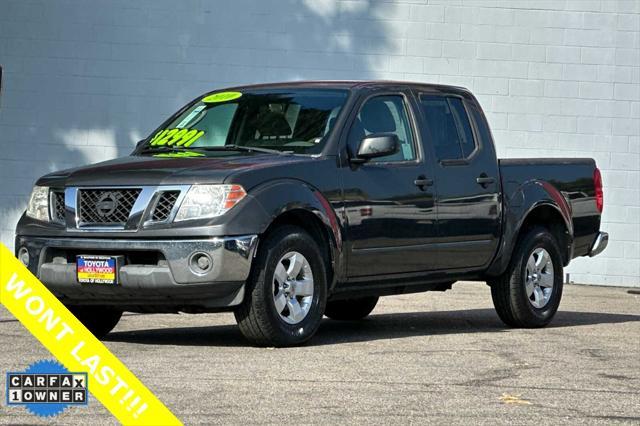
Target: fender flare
[[522, 202], [287, 195]]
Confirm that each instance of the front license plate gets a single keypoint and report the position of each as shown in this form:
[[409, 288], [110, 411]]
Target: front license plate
[[97, 269]]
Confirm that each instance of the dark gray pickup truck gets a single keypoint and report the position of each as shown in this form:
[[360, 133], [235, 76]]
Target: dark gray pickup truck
[[287, 202]]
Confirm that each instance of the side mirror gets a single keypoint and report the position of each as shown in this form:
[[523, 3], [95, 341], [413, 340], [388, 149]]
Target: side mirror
[[377, 145]]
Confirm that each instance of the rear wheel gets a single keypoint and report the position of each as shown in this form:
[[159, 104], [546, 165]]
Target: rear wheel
[[350, 309], [528, 293], [286, 292], [99, 320]]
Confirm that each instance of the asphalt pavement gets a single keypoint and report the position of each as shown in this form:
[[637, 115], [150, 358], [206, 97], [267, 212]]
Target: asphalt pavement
[[429, 358]]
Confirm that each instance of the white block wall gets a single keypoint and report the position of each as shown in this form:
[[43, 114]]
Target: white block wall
[[84, 79]]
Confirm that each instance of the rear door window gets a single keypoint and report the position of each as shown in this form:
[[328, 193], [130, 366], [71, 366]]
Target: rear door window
[[449, 127], [463, 126]]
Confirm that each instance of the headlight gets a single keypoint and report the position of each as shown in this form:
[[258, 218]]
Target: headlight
[[206, 201], [38, 207]]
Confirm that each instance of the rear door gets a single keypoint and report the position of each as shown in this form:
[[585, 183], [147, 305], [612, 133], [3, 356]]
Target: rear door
[[467, 181]]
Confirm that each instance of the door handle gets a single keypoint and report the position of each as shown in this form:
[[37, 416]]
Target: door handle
[[484, 180], [422, 181]]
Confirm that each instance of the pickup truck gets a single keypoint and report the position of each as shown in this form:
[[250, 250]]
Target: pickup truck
[[286, 202]]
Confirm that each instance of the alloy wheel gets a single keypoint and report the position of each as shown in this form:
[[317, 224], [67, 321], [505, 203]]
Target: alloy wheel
[[539, 278], [293, 287]]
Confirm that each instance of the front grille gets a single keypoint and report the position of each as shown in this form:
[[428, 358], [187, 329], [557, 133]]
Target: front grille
[[58, 209], [164, 206], [106, 206]]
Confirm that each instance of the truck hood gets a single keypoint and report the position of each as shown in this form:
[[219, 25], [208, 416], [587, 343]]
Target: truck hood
[[142, 170]]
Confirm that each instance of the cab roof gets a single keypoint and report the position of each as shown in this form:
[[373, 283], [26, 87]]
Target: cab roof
[[351, 85]]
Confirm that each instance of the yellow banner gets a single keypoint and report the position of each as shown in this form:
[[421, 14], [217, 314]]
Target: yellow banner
[[110, 381]]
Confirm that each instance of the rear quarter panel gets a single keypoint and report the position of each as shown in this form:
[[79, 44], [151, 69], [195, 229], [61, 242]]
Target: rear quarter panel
[[566, 184]]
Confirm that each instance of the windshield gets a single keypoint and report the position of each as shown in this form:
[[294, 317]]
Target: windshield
[[296, 121]]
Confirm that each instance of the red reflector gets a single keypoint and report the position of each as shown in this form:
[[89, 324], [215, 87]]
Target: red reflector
[[597, 183]]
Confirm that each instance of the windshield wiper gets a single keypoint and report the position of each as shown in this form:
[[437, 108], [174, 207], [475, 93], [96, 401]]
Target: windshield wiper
[[244, 148], [154, 150], [161, 149]]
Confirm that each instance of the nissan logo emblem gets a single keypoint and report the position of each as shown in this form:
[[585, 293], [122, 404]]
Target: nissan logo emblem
[[107, 204]]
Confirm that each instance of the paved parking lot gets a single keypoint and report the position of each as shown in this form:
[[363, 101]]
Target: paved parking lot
[[426, 358]]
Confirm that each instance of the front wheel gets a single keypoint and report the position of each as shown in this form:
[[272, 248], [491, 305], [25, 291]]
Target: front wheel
[[286, 292], [528, 293], [99, 320]]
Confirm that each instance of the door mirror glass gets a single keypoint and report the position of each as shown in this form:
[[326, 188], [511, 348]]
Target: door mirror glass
[[377, 145]]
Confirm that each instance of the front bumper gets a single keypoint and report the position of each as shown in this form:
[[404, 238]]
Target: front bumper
[[600, 243], [157, 275]]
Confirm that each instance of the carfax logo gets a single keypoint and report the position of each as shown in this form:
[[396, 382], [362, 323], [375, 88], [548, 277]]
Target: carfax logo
[[46, 388]]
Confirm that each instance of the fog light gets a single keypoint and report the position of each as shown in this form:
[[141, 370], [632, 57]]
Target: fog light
[[201, 263], [23, 256]]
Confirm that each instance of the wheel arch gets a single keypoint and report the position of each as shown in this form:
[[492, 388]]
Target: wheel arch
[[549, 216], [291, 202], [535, 203]]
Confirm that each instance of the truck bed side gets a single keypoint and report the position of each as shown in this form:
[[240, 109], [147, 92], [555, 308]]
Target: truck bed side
[[567, 183]]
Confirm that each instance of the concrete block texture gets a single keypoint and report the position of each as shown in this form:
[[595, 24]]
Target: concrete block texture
[[85, 80]]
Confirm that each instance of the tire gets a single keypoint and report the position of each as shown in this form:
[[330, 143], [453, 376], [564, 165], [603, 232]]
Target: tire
[[350, 309], [99, 320], [522, 296], [266, 318]]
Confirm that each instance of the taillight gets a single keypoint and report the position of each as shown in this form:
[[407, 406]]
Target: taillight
[[597, 183]]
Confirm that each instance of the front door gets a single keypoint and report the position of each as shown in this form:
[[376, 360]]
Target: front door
[[389, 201], [466, 175]]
